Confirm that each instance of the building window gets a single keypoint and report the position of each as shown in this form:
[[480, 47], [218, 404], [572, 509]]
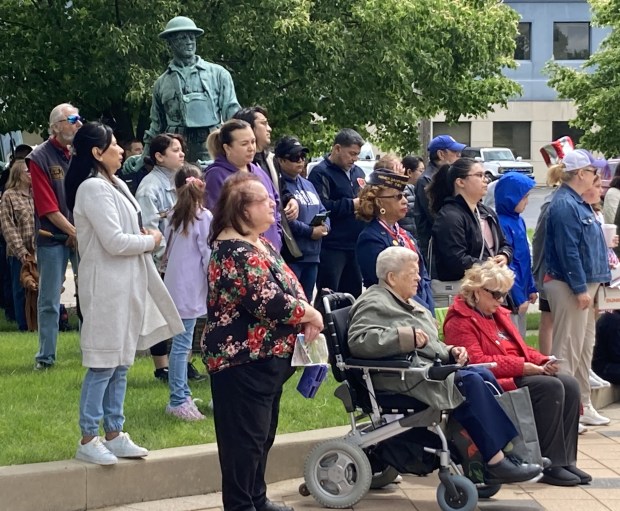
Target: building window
[[562, 129], [515, 136], [461, 131], [571, 41], [524, 38]]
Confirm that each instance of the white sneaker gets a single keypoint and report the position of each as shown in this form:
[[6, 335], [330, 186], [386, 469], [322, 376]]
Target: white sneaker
[[95, 452], [597, 382], [581, 429], [123, 447], [591, 417]]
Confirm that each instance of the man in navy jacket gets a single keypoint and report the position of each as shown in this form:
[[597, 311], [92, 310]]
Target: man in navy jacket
[[338, 181]]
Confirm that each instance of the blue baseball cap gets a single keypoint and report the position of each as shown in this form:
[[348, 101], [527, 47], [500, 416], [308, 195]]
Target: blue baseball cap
[[443, 142]]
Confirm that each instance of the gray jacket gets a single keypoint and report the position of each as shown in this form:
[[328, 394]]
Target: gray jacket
[[382, 327], [539, 268]]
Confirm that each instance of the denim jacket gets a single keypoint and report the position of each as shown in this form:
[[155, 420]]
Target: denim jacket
[[575, 248], [157, 196]]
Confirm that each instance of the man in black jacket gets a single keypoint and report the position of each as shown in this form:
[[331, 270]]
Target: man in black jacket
[[442, 150], [338, 181]]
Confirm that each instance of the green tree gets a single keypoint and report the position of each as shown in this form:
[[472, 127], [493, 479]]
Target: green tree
[[315, 64], [595, 86]]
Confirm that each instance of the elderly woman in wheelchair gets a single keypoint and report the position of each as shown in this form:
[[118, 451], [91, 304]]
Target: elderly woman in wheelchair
[[387, 323], [385, 349]]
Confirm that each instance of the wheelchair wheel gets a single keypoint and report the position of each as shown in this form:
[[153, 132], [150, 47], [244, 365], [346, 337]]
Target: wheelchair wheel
[[337, 474], [303, 490], [467, 498], [383, 478], [487, 491]]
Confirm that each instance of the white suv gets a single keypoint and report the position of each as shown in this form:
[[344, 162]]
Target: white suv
[[498, 161]]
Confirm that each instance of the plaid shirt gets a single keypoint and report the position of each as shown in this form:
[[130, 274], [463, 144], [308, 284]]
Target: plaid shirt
[[17, 221]]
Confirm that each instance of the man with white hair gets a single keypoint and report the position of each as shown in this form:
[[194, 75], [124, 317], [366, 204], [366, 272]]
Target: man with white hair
[[48, 164]]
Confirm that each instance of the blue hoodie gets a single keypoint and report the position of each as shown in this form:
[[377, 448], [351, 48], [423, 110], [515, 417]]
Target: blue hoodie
[[309, 206], [510, 189]]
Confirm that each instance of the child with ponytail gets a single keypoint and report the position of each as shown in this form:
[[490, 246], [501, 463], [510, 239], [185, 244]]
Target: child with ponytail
[[185, 264]]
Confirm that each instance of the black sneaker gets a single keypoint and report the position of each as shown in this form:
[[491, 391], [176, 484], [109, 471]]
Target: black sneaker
[[510, 470], [161, 374], [42, 366], [193, 374]]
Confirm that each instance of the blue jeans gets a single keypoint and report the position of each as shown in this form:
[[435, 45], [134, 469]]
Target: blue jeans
[[306, 274], [103, 395], [177, 364], [19, 294], [52, 265]]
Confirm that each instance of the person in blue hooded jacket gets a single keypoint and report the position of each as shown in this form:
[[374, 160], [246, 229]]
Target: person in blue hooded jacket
[[511, 197], [290, 156]]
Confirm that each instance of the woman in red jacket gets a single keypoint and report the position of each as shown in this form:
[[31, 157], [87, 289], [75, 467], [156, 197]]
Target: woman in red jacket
[[478, 322]]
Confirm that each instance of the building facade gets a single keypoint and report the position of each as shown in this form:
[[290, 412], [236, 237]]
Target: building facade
[[558, 30]]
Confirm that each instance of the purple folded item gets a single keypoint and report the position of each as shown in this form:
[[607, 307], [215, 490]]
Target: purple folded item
[[311, 380]]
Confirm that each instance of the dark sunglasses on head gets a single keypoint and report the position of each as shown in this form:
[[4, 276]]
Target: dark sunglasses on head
[[296, 158], [497, 295], [73, 119]]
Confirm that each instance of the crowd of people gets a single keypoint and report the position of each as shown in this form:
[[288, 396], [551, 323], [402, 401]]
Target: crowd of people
[[250, 242]]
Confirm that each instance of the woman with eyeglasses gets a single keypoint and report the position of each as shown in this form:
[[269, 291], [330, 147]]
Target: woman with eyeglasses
[[576, 259], [312, 223], [465, 231], [477, 321], [382, 204]]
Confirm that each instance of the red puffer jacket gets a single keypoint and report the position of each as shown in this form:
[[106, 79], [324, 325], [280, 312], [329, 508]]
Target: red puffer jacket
[[466, 327]]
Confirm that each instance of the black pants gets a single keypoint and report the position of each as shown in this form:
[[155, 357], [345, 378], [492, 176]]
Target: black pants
[[339, 271], [555, 401], [246, 404]]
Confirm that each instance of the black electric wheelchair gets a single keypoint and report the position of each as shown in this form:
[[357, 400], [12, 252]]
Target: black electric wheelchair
[[338, 473]]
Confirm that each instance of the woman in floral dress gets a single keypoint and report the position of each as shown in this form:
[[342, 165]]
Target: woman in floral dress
[[256, 308]]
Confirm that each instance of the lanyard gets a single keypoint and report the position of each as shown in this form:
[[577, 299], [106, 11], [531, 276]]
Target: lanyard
[[399, 236]]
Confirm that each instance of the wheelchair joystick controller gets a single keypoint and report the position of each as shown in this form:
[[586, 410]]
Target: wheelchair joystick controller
[[440, 372]]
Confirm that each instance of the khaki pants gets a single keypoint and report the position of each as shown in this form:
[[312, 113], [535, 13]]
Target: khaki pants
[[573, 333]]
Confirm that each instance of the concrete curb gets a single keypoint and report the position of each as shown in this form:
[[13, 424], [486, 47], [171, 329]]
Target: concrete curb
[[182, 471]]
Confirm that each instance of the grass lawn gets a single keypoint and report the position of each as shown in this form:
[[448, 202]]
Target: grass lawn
[[39, 420]]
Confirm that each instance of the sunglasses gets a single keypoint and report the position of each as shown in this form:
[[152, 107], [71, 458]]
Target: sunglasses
[[297, 158], [497, 295], [73, 119], [397, 196]]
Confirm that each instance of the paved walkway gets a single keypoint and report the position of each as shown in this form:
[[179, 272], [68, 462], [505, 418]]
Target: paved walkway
[[599, 455]]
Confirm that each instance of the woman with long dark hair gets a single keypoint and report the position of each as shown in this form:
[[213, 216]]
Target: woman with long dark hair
[[465, 231], [117, 280]]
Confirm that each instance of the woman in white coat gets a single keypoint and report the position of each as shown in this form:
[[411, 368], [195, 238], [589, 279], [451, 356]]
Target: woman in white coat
[[124, 303]]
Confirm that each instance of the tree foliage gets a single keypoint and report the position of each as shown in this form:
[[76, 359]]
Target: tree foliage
[[595, 87], [317, 65]]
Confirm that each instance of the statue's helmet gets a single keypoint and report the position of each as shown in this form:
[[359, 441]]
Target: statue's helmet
[[181, 24]]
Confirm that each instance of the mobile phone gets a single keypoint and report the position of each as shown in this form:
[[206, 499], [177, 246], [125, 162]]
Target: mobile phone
[[319, 219]]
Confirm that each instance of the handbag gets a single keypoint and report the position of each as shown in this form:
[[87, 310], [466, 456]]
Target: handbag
[[444, 291], [518, 406]]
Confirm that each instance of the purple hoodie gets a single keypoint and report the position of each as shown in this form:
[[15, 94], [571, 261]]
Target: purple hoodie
[[220, 170]]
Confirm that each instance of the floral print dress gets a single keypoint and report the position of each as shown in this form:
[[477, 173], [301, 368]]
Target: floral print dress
[[254, 305]]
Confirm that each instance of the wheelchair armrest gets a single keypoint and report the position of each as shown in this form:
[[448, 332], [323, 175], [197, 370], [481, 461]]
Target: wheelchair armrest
[[377, 364], [439, 373]]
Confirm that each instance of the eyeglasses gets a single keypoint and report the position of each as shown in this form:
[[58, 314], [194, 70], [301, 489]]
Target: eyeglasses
[[479, 175], [73, 119], [397, 196], [297, 158], [590, 169], [497, 295]]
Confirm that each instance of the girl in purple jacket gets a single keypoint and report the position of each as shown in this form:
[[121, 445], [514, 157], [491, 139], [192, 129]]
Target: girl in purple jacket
[[185, 264]]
